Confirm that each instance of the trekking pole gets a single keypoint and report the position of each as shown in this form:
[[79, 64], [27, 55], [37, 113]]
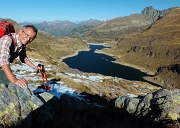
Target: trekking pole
[[44, 77]]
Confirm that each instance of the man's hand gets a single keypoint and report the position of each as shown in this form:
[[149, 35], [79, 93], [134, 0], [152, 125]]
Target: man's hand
[[40, 68], [21, 82], [12, 78]]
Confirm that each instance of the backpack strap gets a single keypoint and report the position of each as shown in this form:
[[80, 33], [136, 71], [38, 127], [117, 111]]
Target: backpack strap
[[13, 40], [13, 49]]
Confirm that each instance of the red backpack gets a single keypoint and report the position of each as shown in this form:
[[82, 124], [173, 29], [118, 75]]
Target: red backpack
[[6, 28]]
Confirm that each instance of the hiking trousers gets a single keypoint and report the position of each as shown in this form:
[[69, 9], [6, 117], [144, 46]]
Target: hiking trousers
[[3, 78]]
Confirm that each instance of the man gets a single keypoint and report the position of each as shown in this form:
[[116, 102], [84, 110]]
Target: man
[[8, 54]]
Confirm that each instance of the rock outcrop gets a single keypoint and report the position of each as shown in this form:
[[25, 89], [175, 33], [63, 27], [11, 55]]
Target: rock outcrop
[[16, 103], [154, 14], [20, 108], [161, 106]]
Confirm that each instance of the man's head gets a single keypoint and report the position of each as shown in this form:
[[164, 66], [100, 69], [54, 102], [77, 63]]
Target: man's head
[[27, 34]]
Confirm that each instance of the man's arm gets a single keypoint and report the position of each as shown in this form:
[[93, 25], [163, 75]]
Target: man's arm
[[30, 64], [8, 72]]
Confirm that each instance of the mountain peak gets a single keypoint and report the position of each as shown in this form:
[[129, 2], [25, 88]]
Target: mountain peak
[[154, 14]]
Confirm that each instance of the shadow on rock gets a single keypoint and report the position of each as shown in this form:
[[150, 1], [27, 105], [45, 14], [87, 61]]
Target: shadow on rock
[[47, 111]]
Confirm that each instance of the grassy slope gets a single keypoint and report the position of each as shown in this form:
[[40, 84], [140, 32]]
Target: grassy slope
[[111, 30], [156, 47], [56, 47]]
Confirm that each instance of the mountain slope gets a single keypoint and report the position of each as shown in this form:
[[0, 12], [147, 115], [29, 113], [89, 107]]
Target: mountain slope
[[156, 48], [111, 30]]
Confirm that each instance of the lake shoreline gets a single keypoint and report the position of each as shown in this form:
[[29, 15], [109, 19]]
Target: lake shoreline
[[74, 54], [118, 62], [128, 64]]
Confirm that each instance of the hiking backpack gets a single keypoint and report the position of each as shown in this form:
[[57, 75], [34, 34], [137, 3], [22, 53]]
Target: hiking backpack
[[6, 28]]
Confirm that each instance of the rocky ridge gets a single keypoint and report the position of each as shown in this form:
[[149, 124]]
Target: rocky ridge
[[153, 14], [20, 108]]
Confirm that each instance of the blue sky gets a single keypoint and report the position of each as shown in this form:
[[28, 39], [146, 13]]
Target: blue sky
[[77, 10]]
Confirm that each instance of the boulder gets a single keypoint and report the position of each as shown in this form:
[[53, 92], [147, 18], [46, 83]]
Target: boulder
[[17, 106], [161, 106], [16, 103]]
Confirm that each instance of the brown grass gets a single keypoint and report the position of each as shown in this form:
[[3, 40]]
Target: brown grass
[[78, 86], [155, 47]]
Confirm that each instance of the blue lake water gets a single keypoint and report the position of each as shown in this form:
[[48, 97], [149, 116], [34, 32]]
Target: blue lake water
[[89, 61]]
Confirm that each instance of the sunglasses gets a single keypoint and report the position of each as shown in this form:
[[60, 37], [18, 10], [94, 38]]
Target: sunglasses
[[27, 35]]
